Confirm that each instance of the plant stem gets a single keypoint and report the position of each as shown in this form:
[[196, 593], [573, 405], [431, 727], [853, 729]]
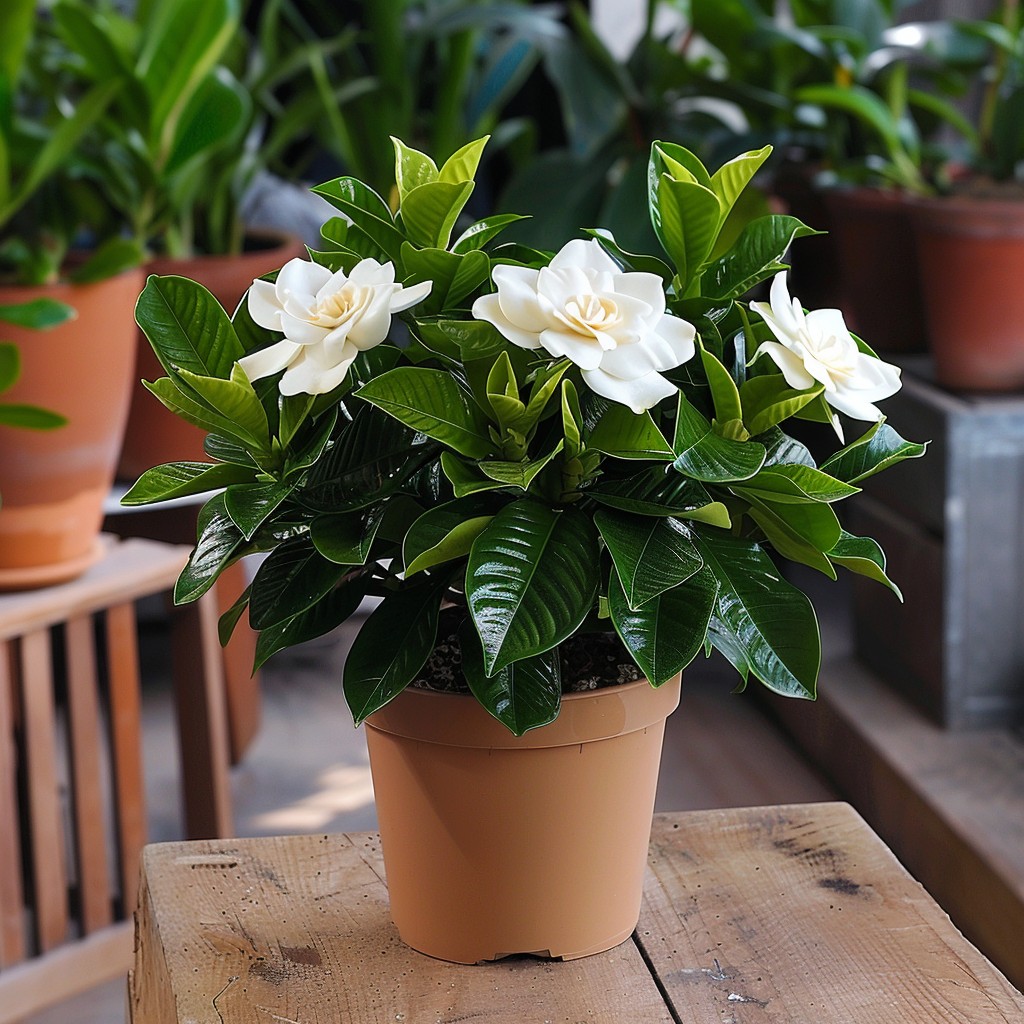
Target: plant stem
[[990, 97]]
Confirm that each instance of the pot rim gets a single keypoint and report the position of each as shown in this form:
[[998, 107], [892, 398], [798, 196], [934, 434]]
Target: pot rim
[[458, 719]]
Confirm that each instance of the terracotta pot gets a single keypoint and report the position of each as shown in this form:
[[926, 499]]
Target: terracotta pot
[[972, 270], [494, 844], [53, 484], [879, 286], [155, 435]]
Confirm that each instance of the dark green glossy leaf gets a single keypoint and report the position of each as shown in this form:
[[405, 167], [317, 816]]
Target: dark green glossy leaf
[[665, 634], [219, 542], [660, 492], [770, 623], [393, 644], [627, 435], [317, 620], [864, 556], [251, 504], [466, 478], [367, 210], [795, 484], [703, 455], [477, 235], [879, 448], [431, 402], [187, 327], [801, 533], [651, 554], [522, 696], [756, 256], [292, 578], [181, 479], [375, 456], [531, 579], [768, 401]]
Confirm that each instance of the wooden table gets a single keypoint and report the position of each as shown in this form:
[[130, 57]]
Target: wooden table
[[792, 914]]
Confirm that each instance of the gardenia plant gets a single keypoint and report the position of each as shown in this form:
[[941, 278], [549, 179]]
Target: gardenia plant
[[546, 445]]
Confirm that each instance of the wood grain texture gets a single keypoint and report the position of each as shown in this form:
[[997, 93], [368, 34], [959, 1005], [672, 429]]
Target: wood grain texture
[[12, 933], [126, 746], [201, 705], [778, 915], [45, 811], [783, 914], [297, 929], [88, 804]]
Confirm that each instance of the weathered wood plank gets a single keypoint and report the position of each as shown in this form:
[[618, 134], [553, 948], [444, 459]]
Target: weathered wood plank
[[126, 746], [12, 899], [43, 981], [298, 929], [86, 743], [49, 876], [782, 914], [949, 804]]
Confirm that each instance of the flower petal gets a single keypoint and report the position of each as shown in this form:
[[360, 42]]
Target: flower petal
[[301, 331], [374, 321], [582, 350], [406, 297], [268, 361], [588, 254], [488, 308], [639, 394], [517, 294], [301, 279], [791, 365], [264, 306]]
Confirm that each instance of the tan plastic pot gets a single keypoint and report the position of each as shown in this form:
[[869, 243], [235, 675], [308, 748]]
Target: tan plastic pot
[[972, 272], [53, 484], [495, 844], [879, 285], [155, 435]]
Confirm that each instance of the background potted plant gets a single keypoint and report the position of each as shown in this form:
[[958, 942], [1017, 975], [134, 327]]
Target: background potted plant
[[561, 471], [172, 157], [54, 483], [971, 235]]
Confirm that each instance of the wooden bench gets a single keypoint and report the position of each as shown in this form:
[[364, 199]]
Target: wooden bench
[[773, 914], [72, 801]]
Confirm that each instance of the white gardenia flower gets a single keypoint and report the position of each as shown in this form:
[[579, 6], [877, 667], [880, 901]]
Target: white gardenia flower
[[611, 324], [327, 320], [816, 348]]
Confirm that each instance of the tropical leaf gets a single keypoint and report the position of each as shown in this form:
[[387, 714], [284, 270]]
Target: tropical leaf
[[393, 644], [665, 634], [651, 554], [879, 448], [531, 579], [522, 696], [770, 624]]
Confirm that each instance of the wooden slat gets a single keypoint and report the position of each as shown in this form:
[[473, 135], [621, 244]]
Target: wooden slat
[[129, 570], [298, 929], [86, 742], [65, 973], [126, 746], [242, 684], [202, 720], [12, 899], [800, 913], [43, 784]]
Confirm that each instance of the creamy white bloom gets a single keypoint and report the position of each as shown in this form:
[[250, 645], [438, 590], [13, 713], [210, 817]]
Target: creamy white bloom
[[816, 348], [327, 320], [611, 324]]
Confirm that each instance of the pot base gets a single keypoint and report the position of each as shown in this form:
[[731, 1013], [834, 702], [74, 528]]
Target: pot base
[[34, 577]]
